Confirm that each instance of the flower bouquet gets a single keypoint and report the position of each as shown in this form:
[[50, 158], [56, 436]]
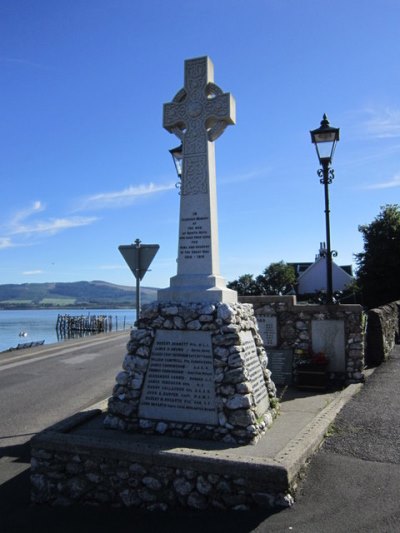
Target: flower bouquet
[[311, 370], [311, 360]]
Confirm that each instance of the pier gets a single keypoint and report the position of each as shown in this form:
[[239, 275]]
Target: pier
[[67, 324]]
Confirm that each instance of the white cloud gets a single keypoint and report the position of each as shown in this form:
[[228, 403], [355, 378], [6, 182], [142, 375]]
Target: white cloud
[[122, 198], [23, 224], [21, 215], [52, 226], [32, 272], [390, 184], [383, 124], [246, 176], [5, 242]]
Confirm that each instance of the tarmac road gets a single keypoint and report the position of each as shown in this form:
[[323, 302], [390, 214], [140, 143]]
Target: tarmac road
[[38, 387]]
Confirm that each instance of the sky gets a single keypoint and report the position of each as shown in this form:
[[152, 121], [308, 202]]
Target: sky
[[84, 161]]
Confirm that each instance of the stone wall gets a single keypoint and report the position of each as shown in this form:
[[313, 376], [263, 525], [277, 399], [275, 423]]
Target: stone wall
[[294, 328], [64, 473], [382, 332]]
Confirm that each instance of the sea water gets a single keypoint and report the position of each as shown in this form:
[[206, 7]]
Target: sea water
[[36, 325]]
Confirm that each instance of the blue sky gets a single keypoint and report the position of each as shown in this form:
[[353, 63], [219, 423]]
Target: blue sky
[[84, 163]]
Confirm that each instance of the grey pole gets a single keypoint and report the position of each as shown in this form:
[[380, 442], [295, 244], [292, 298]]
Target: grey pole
[[137, 242]]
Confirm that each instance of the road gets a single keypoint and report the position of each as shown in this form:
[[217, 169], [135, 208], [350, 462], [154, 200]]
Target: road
[[41, 387]]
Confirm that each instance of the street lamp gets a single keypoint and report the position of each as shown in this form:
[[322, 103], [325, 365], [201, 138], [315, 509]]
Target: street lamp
[[177, 156], [325, 138]]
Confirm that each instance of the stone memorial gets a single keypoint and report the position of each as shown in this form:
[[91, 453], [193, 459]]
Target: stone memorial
[[268, 327], [198, 115], [280, 363], [179, 381], [328, 337], [196, 364]]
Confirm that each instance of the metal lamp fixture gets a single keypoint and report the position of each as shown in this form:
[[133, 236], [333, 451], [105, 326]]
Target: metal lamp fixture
[[325, 138], [177, 156]]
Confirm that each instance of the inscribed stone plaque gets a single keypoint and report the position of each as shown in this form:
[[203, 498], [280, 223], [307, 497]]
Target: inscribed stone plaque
[[179, 384], [267, 326], [194, 237], [328, 337], [280, 362], [254, 372]]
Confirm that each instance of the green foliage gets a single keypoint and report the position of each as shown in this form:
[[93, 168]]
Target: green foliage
[[277, 278], [58, 302], [379, 264], [96, 294], [244, 285], [274, 403]]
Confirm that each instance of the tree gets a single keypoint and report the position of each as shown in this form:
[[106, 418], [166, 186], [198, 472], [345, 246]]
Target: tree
[[244, 285], [379, 265], [277, 278]]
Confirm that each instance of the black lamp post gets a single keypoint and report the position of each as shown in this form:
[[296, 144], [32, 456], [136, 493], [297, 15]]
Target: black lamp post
[[325, 138]]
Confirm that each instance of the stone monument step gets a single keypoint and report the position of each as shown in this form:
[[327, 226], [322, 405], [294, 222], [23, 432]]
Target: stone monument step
[[93, 465]]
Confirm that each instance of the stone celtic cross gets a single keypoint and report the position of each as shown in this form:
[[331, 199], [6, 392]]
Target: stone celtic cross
[[198, 115]]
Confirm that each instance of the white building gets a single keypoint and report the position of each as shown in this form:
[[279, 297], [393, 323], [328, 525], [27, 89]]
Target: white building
[[312, 276]]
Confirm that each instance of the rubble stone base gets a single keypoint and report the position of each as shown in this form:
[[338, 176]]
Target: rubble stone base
[[243, 392], [72, 470]]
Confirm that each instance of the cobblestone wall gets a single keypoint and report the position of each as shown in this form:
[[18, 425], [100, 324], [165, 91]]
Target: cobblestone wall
[[239, 418], [382, 332], [60, 478], [294, 327]]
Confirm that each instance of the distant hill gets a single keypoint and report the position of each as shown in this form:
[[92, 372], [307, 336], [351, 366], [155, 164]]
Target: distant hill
[[89, 294]]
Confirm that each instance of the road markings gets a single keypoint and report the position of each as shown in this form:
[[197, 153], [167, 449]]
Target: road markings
[[65, 351], [82, 358]]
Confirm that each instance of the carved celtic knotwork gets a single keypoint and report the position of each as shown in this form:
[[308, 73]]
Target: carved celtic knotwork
[[196, 143], [198, 114], [180, 133], [180, 96], [213, 90], [195, 179]]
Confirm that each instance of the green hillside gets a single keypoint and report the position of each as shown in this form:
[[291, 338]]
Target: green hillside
[[90, 294]]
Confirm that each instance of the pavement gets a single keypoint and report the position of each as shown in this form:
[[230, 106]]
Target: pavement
[[360, 459]]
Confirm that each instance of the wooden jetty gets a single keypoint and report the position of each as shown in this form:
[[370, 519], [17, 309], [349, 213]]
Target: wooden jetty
[[67, 324]]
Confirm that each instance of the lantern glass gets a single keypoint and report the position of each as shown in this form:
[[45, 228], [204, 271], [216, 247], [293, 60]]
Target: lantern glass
[[177, 156], [325, 138]]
